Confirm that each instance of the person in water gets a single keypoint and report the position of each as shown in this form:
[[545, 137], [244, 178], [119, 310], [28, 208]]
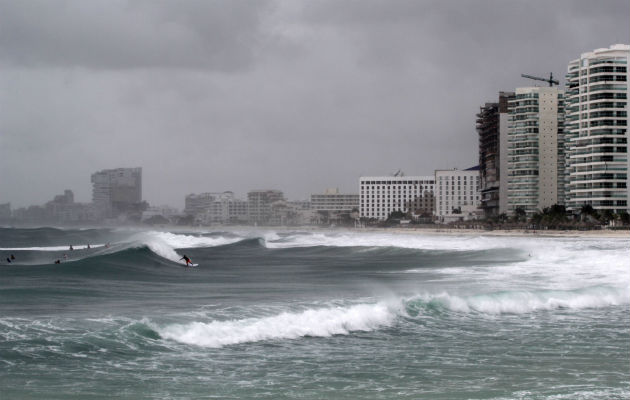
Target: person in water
[[57, 261], [12, 257], [188, 261], [8, 260]]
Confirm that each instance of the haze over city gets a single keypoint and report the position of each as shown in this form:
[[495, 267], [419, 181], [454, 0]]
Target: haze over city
[[296, 96]]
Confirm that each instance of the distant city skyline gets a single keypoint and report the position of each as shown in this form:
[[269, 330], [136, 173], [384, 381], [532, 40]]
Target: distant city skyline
[[294, 96]]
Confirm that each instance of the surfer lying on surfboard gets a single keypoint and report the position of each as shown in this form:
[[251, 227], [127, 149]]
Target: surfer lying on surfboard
[[188, 261]]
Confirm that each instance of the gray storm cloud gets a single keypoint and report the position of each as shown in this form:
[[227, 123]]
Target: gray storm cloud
[[236, 95]]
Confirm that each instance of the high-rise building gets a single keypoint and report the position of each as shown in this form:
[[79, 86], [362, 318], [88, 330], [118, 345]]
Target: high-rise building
[[115, 191], [597, 130], [457, 194], [381, 195], [535, 149], [492, 130]]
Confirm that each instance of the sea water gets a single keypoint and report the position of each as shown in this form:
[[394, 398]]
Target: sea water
[[272, 314]]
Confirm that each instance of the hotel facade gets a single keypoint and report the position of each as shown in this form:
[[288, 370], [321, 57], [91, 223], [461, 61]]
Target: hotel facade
[[457, 195], [381, 195]]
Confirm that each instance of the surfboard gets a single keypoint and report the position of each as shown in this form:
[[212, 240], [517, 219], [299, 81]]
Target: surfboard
[[191, 265]]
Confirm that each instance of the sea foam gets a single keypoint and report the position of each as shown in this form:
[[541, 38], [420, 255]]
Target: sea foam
[[521, 302], [323, 322]]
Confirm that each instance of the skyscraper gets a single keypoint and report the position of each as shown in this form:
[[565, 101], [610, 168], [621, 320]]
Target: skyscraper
[[535, 149], [597, 130], [115, 191]]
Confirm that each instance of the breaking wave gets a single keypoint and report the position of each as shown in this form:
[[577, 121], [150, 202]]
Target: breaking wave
[[522, 302], [326, 322], [323, 322]]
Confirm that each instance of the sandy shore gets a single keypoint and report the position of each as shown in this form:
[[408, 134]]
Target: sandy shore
[[604, 233]]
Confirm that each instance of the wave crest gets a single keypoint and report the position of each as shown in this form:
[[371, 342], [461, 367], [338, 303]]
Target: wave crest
[[314, 323], [521, 302]]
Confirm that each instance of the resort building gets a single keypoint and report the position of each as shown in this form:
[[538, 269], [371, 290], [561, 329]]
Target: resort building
[[535, 149], [381, 195], [333, 201], [216, 208], [332, 205], [457, 194], [597, 130], [116, 191], [492, 128], [260, 202]]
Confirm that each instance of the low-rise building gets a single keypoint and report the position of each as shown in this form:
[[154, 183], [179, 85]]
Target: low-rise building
[[381, 195], [332, 206], [216, 208], [457, 195], [260, 202]]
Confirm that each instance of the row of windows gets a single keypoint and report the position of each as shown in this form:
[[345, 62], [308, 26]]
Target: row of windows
[[413, 182]]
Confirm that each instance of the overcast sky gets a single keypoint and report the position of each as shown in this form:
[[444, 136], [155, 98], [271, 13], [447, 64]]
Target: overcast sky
[[293, 95]]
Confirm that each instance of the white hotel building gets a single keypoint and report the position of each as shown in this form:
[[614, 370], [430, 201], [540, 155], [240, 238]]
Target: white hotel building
[[457, 194], [597, 130], [381, 195]]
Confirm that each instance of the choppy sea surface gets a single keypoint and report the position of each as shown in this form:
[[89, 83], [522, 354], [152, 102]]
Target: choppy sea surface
[[273, 314]]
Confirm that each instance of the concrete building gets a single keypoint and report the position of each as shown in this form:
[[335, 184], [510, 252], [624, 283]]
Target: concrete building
[[260, 202], [535, 155], [597, 130], [216, 208], [381, 195], [457, 194], [5, 211], [116, 191], [196, 204], [492, 129], [159, 214], [332, 206]]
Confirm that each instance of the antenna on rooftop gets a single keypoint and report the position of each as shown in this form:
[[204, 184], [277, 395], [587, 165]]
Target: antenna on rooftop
[[550, 81]]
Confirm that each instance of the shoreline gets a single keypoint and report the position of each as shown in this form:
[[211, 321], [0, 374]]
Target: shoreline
[[603, 233], [427, 230]]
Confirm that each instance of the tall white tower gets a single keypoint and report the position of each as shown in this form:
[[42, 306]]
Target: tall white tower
[[597, 130]]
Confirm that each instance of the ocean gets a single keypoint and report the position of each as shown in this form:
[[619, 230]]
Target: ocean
[[279, 314]]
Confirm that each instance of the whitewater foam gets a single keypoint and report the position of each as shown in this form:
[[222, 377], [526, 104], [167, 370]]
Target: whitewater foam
[[164, 243], [51, 248], [521, 302], [323, 322]]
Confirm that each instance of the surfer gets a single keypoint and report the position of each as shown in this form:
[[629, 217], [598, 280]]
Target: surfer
[[188, 261], [57, 261], [8, 260], [88, 245], [12, 257], [71, 248]]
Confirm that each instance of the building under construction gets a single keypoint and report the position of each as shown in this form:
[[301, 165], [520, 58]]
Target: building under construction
[[492, 131]]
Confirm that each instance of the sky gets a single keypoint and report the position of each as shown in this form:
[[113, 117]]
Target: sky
[[300, 96]]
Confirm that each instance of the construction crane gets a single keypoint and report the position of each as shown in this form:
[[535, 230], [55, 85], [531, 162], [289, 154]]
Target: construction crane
[[551, 81]]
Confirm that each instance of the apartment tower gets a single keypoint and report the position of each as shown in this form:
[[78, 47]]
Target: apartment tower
[[535, 149], [597, 130]]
